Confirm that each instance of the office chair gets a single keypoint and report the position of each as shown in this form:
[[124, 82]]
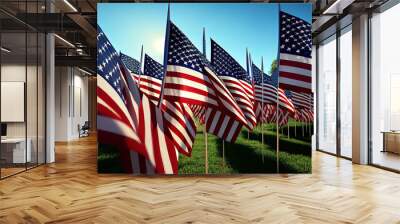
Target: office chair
[[84, 130]]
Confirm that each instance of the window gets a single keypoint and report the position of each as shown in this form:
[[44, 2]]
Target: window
[[385, 89], [346, 92], [327, 95]]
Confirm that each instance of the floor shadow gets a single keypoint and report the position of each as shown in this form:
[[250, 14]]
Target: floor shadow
[[243, 158], [303, 133], [289, 145], [247, 158]]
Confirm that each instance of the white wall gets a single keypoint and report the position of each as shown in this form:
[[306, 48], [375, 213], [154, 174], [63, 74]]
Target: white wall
[[71, 102], [16, 73]]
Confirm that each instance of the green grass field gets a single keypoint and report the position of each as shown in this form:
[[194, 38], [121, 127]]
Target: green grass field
[[246, 155], [249, 155]]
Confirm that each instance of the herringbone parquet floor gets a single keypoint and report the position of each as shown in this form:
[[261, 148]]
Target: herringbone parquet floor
[[71, 191]]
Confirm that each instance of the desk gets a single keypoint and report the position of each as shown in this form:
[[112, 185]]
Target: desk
[[15, 148], [391, 141]]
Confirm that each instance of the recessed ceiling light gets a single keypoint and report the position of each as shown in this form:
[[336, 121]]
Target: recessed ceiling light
[[84, 71], [70, 5], [64, 40], [5, 50]]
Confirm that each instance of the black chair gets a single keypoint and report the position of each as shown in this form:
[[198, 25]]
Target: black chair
[[84, 130]]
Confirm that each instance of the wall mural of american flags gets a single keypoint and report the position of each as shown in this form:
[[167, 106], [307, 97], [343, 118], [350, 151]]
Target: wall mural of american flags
[[211, 107]]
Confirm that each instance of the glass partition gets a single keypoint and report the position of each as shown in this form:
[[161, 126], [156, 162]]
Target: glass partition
[[22, 101], [385, 89], [13, 92], [31, 98], [41, 96], [327, 95]]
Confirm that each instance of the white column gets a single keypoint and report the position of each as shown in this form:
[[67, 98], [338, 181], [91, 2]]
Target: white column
[[50, 92], [50, 99], [360, 90]]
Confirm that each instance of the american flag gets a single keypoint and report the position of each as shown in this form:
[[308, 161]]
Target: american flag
[[129, 120], [304, 105], [266, 89], [150, 81], [264, 114], [190, 79], [181, 127], [305, 115], [199, 112], [117, 103], [295, 54], [300, 100], [282, 115], [236, 79], [154, 133], [131, 64]]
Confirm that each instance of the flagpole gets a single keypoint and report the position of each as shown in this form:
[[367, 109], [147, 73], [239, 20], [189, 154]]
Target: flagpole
[[140, 67], [248, 72], [204, 126], [166, 43], [277, 90], [262, 107]]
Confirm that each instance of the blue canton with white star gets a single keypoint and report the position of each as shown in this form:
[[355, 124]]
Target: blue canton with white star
[[153, 68], [132, 64], [289, 94], [295, 35], [182, 52], [258, 80], [225, 65], [108, 63]]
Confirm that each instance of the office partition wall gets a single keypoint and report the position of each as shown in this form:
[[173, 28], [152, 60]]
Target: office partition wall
[[22, 77]]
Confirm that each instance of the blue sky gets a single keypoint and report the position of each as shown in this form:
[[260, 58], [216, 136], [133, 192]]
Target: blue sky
[[235, 26]]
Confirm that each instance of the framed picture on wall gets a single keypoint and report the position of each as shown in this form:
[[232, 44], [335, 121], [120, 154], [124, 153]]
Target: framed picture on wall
[[192, 88]]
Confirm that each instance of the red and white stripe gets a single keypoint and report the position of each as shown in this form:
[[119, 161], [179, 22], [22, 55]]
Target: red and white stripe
[[264, 114], [244, 95], [179, 119], [222, 125], [150, 86], [282, 116], [295, 73], [117, 123], [135, 77], [191, 87], [267, 93], [160, 150], [301, 100], [199, 112], [308, 115]]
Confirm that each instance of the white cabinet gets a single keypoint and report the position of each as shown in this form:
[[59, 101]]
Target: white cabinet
[[17, 147]]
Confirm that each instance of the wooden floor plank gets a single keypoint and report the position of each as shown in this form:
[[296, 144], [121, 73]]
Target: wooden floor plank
[[71, 191]]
